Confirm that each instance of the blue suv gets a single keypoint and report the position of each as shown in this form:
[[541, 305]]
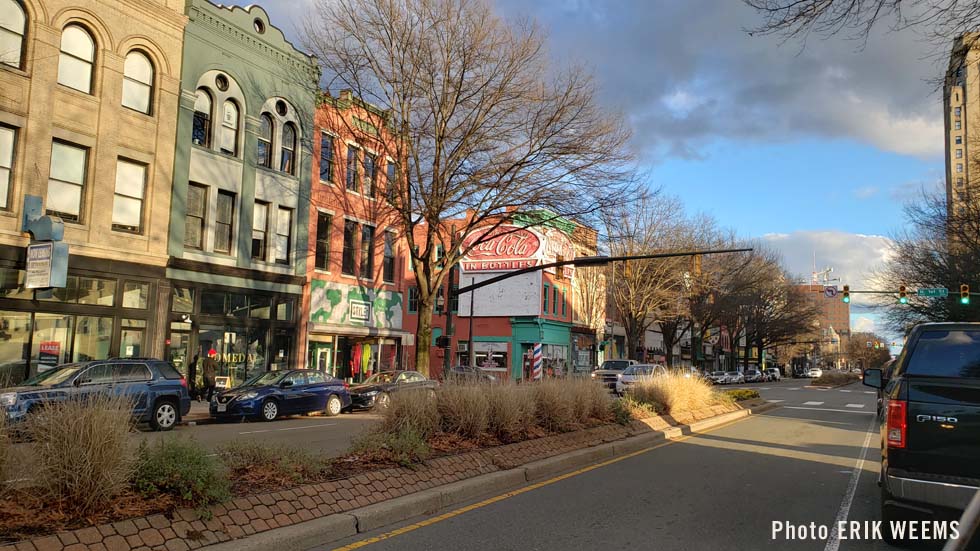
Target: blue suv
[[158, 391]]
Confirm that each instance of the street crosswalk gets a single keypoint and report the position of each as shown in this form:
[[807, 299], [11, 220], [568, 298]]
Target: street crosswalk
[[812, 403]]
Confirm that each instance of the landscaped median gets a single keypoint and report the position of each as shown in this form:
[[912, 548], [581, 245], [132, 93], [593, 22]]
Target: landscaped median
[[830, 379], [426, 454]]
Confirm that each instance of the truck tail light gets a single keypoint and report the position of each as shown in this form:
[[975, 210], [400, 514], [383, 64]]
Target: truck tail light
[[897, 423], [183, 382], [346, 384]]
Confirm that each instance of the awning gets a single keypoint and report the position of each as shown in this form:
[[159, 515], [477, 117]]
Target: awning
[[316, 329]]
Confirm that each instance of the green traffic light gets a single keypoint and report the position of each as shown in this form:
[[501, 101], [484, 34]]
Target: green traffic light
[[965, 300], [846, 299], [903, 300]]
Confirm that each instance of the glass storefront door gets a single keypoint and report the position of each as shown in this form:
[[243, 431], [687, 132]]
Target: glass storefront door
[[15, 334], [240, 352], [51, 340]]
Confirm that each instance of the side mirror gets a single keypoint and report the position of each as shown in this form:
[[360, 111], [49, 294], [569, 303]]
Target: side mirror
[[872, 378], [286, 384]]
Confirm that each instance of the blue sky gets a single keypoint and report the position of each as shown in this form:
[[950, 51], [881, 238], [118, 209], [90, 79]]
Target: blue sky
[[811, 147]]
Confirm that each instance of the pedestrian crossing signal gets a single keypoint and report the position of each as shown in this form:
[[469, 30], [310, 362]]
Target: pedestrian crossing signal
[[846, 297], [964, 294]]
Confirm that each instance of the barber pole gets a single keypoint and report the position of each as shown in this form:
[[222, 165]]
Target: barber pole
[[536, 371]]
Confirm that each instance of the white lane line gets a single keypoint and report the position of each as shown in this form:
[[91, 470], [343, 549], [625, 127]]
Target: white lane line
[[828, 409], [793, 388], [812, 403], [845, 505], [775, 401], [854, 406], [868, 391], [845, 390], [290, 428], [764, 388]]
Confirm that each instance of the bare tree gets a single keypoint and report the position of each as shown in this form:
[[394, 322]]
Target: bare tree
[[590, 296], [778, 313], [640, 289], [870, 349], [490, 129]]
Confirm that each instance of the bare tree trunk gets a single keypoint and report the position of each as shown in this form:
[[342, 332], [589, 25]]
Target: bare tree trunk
[[423, 336]]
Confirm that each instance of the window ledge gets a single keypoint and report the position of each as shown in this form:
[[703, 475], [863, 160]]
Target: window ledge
[[88, 96], [277, 173], [15, 70], [326, 183], [324, 272]]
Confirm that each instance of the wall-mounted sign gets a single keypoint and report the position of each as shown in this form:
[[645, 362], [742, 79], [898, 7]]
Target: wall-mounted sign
[[39, 265], [360, 311], [503, 249], [49, 352]]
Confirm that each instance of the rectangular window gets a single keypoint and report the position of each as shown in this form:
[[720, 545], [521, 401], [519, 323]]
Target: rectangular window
[[440, 300], [391, 177], [554, 302], [959, 153], [127, 205], [224, 221], [352, 168], [547, 289], [454, 301], [7, 140], [959, 140], [959, 181], [321, 259], [413, 299], [326, 157], [367, 251], [260, 225], [66, 185], [564, 301], [370, 173], [284, 229], [389, 257], [197, 202], [957, 125], [135, 294], [959, 167], [350, 247], [957, 111]]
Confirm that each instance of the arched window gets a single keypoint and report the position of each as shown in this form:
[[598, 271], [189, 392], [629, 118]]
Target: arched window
[[201, 134], [77, 59], [266, 127], [13, 22], [288, 148], [229, 129], [137, 82]]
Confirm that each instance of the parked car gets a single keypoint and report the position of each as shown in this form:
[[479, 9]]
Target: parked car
[[377, 390], [773, 374], [158, 391], [855, 370], [718, 377], [753, 376], [734, 377], [814, 373], [930, 426], [273, 394], [610, 371], [465, 373], [637, 374]]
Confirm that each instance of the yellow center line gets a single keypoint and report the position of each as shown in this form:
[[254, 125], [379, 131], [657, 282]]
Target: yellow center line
[[456, 512]]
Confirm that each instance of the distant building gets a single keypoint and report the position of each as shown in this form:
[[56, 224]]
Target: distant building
[[961, 117], [833, 321], [89, 95]]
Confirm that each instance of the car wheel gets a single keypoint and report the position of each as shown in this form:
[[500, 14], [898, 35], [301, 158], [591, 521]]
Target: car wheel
[[164, 416], [270, 410], [334, 406], [383, 401]]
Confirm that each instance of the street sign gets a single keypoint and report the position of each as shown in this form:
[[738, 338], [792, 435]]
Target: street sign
[[933, 292], [830, 291], [39, 265]]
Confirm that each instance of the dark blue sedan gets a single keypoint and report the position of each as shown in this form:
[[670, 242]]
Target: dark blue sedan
[[276, 393]]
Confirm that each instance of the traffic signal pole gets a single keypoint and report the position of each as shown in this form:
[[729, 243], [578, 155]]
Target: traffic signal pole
[[579, 262]]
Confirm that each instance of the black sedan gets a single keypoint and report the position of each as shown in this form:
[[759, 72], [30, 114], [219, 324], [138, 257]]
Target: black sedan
[[378, 388], [275, 393]]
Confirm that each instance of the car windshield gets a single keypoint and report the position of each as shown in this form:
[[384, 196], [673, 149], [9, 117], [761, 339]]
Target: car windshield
[[267, 378], [380, 378], [615, 364], [53, 377], [718, 373], [733, 372], [632, 370]]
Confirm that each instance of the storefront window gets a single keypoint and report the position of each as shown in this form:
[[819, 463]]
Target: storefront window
[[15, 333], [284, 310], [183, 300], [131, 338], [12, 285], [135, 294], [51, 341], [101, 292], [93, 336], [237, 305], [240, 352], [260, 307], [68, 293], [213, 303]]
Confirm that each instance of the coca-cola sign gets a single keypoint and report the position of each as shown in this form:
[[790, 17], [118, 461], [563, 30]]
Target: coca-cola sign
[[502, 249]]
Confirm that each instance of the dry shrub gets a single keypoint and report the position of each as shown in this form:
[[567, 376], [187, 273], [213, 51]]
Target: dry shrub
[[181, 469], [253, 464], [674, 393], [590, 401], [834, 378], [414, 412], [81, 452], [4, 452], [510, 411], [463, 408], [554, 406]]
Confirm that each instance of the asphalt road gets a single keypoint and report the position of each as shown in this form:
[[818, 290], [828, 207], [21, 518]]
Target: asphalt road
[[800, 463]]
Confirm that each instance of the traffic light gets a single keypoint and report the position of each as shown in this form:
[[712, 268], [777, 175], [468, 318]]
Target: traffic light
[[847, 294], [903, 296], [964, 294]]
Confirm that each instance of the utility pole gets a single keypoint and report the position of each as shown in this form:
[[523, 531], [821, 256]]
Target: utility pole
[[449, 321], [472, 346]]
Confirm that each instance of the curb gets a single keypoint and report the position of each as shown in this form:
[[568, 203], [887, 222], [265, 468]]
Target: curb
[[325, 530]]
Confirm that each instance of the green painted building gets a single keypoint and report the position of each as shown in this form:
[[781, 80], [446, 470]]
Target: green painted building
[[238, 235]]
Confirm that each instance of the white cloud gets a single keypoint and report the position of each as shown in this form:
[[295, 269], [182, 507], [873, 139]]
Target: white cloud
[[862, 324], [866, 192], [681, 102]]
